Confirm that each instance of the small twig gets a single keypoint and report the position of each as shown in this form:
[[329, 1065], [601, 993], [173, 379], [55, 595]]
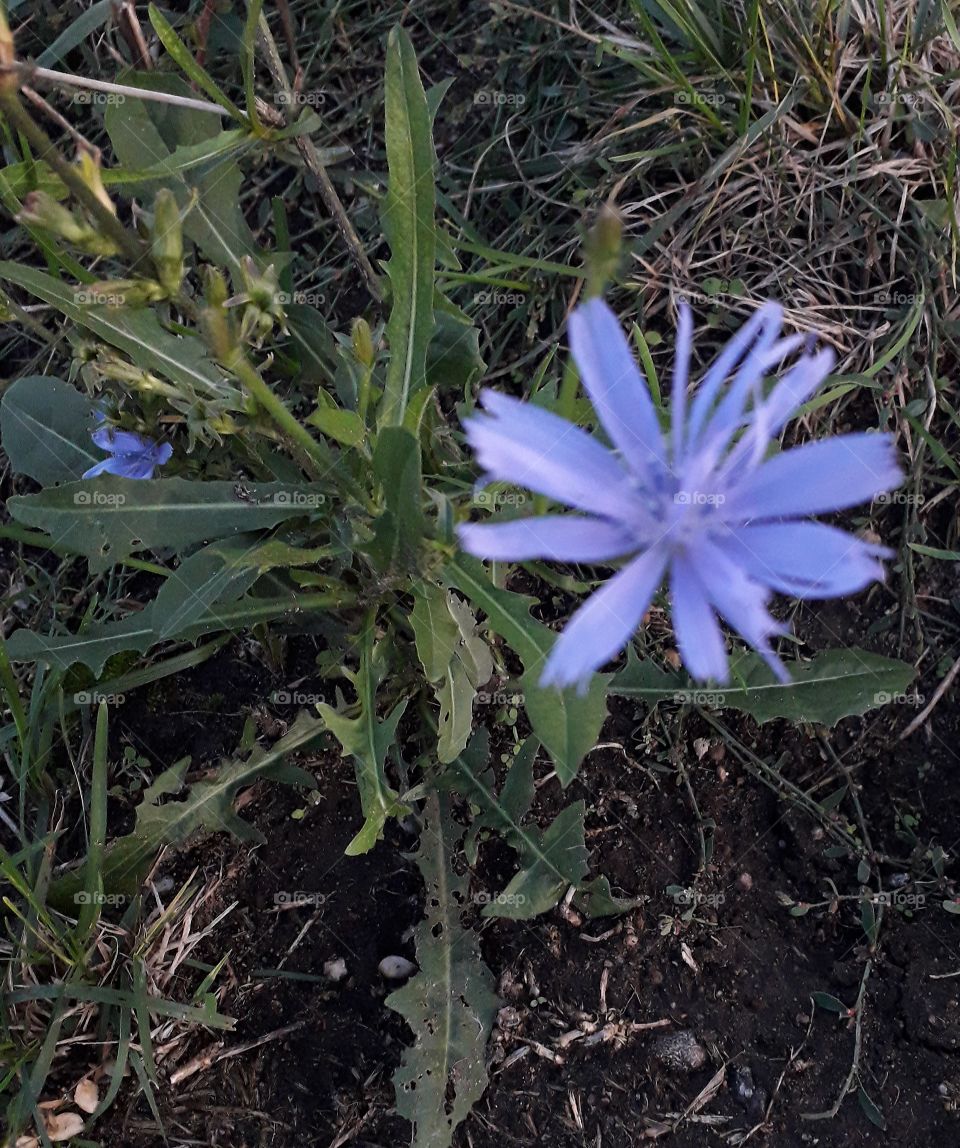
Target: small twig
[[929, 708], [312, 160], [829, 1113], [33, 73]]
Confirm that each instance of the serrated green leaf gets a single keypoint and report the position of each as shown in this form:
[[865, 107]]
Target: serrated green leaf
[[834, 684], [106, 519], [368, 740], [450, 1003], [409, 225], [208, 805], [45, 427], [565, 721], [399, 529]]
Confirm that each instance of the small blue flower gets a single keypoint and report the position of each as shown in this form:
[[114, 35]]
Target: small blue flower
[[130, 455], [702, 506]]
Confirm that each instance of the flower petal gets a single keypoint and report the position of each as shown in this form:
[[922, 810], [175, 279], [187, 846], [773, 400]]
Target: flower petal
[[561, 538], [698, 632], [131, 466], [742, 602], [805, 559], [119, 441], [528, 446], [161, 453], [605, 622], [613, 381], [763, 326], [682, 352], [98, 468], [816, 478]]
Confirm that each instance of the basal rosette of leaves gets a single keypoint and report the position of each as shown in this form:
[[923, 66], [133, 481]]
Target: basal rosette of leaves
[[267, 471]]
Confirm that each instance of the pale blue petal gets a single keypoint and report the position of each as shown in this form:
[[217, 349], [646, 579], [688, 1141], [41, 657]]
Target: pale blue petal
[[162, 453], [98, 468], [528, 446], [742, 602], [605, 622], [698, 633], [560, 538], [612, 379], [120, 442], [682, 353], [131, 466], [806, 559], [816, 478], [763, 327]]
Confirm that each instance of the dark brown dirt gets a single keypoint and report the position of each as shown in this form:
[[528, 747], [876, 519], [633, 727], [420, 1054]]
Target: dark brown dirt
[[739, 975]]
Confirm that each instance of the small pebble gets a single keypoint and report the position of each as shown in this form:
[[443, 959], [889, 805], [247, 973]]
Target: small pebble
[[396, 968], [335, 970], [680, 1051], [741, 1084]]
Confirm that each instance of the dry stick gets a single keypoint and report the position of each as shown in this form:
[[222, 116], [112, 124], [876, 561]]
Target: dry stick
[[31, 73], [928, 709], [21, 120], [327, 191]]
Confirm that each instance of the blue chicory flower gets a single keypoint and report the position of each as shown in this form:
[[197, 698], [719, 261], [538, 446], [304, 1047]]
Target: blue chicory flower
[[131, 456], [703, 505]]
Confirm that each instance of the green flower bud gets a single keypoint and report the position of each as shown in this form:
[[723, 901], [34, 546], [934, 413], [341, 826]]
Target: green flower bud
[[166, 241]]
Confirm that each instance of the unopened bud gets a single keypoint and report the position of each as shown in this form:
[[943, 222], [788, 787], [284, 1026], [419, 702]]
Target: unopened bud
[[602, 250], [90, 174], [166, 241], [362, 339]]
